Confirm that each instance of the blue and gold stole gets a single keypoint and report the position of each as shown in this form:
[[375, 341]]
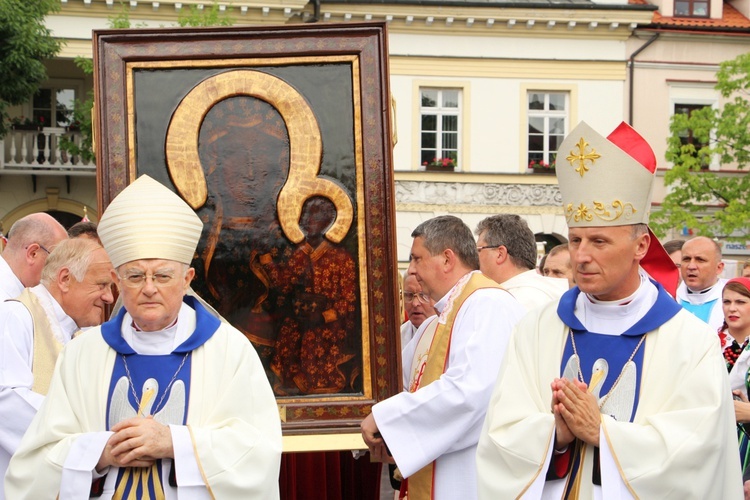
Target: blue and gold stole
[[597, 349], [151, 385]]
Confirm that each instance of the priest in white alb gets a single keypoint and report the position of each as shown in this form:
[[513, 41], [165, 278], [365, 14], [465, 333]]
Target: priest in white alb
[[614, 391], [163, 401], [432, 427]]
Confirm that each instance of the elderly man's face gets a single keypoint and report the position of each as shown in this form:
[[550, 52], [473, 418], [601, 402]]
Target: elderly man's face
[[604, 260], [152, 291], [85, 299], [701, 264], [416, 310]]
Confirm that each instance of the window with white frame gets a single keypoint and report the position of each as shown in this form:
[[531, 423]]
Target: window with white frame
[[547, 114], [53, 106], [440, 115]]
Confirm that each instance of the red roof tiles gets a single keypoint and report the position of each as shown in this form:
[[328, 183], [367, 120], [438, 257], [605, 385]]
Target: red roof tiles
[[731, 18]]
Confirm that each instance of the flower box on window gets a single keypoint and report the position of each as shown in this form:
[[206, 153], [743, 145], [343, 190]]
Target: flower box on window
[[22, 123], [440, 165], [541, 167]]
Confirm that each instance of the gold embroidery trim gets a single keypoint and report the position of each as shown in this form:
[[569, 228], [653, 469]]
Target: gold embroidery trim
[[606, 213], [582, 156]]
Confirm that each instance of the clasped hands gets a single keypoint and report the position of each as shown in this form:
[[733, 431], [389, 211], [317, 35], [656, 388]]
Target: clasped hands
[[576, 413], [137, 442]]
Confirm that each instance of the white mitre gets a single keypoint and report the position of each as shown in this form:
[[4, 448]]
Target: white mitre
[[149, 221], [605, 181], [608, 181]]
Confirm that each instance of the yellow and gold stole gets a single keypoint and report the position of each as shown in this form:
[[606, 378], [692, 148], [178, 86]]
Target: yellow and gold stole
[[431, 359], [46, 346]]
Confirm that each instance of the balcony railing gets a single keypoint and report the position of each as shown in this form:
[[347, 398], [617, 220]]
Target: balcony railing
[[37, 152]]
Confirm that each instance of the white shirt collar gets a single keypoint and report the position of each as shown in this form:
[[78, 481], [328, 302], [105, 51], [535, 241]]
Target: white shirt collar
[[63, 326], [615, 317], [162, 341], [10, 286], [447, 299]]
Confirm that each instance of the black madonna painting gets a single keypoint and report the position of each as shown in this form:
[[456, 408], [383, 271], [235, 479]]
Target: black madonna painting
[[279, 139]]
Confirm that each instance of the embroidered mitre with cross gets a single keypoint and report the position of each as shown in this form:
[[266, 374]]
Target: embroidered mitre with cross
[[602, 185], [608, 181]]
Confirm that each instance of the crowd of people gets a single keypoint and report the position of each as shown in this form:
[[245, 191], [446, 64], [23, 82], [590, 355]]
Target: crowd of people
[[614, 368], [610, 384]]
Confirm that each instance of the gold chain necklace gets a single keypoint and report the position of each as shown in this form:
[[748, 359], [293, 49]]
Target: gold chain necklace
[[580, 374], [169, 386]]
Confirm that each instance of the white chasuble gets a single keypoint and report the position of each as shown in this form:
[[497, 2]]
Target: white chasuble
[[679, 441], [232, 431]]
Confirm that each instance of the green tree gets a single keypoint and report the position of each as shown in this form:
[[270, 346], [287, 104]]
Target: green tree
[[724, 134], [212, 16], [24, 44], [82, 110]]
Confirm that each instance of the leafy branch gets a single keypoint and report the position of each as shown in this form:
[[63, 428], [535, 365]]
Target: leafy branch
[[715, 204]]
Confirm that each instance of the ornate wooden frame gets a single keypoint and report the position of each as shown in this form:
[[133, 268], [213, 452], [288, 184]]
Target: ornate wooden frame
[[222, 58]]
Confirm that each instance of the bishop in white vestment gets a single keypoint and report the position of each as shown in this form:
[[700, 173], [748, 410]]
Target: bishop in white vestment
[[164, 401], [614, 391]]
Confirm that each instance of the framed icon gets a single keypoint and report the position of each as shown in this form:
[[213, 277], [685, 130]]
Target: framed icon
[[280, 139]]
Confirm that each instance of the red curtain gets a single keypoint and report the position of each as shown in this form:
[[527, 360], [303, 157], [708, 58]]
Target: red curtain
[[332, 475]]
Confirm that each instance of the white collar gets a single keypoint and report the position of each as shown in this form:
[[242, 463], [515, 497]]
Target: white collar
[[11, 285], [161, 341], [615, 317], [63, 326], [444, 305]]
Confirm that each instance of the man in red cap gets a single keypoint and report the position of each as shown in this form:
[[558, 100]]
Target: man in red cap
[[632, 405]]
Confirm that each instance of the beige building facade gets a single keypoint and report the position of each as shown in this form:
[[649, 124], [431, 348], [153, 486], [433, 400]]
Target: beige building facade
[[490, 90]]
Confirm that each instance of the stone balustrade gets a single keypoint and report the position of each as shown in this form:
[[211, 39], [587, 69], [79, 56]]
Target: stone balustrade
[[38, 152]]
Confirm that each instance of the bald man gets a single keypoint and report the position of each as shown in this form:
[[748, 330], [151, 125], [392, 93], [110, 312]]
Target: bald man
[[30, 241], [701, 287]]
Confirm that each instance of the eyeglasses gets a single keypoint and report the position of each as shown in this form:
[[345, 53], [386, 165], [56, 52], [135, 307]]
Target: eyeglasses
[[39, 245], [137, 280], [479, 249], [409, 297]]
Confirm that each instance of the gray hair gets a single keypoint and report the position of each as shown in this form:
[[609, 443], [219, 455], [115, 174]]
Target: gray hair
[[512, 232], [639, 229], [74, 254], [563, 247], [448, 231]]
